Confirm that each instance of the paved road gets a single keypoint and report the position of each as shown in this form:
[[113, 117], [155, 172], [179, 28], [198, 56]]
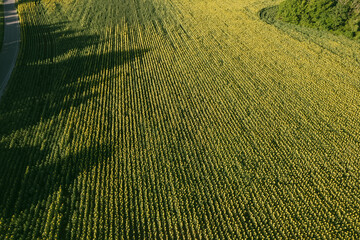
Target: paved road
[[11, 43]]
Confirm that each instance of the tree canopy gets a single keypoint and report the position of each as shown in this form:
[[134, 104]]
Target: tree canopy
[[334, 15]]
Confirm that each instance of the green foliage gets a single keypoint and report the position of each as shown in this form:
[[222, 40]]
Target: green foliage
[[269, 14], [146, 119], [294, 16], [331, 15]]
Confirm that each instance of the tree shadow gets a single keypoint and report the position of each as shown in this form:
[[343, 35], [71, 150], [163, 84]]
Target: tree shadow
[[54, 84], [27, 180], [27, 1], [48, 80]]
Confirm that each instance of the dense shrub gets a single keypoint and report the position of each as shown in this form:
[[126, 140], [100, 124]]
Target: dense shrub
[[337, 16]]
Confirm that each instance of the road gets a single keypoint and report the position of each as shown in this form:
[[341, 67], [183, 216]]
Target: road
[[11, 43]]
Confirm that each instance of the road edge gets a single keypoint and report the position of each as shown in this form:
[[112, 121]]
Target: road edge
[[11, 43]]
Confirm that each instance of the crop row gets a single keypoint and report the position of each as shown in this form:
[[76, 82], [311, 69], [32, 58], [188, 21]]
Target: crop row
[[167, 120]]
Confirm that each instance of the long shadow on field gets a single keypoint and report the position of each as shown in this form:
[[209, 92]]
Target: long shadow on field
[[55, 75], [27, 180], [57, 71]]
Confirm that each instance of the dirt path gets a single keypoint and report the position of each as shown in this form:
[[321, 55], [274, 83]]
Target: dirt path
[[11, 43]]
